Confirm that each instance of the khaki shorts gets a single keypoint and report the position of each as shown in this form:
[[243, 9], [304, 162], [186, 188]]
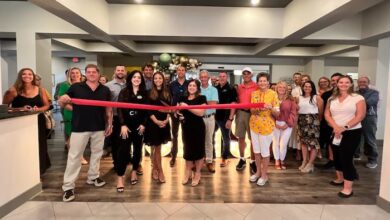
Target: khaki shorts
[[242, 124]]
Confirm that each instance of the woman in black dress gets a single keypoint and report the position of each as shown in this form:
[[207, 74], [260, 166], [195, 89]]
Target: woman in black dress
[[132, 128], [26, 95], [158, 129], [193, 131]]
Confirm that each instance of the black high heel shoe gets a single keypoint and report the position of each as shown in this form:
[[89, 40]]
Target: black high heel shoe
[[342, 195]]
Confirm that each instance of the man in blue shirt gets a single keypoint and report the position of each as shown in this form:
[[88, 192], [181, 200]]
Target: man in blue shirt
[[177, 88], [211, 94], [369, 123]]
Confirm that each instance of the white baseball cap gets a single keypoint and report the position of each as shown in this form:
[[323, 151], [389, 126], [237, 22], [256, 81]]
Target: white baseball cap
[[247, 69]]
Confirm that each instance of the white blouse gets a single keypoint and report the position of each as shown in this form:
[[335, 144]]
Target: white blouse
[[343, 112], [305, 107]]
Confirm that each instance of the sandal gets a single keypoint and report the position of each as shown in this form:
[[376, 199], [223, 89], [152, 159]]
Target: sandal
[[120, 189], [277, 165], [283, 166], [133, 178], [155, 174]]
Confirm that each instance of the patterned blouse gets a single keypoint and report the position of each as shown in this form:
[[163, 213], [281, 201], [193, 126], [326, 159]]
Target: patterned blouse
[[263, 123]]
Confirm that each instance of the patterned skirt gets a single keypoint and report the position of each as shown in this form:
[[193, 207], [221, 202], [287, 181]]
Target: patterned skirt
[[309, 130]]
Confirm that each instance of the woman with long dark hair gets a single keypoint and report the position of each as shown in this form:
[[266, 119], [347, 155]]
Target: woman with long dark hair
[[344, 112], [158, 129], [193, 131], [132, 128], [310, 113], [25, 94]]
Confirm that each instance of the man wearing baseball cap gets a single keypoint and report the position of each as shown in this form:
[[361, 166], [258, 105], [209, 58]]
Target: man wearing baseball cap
[[242, 117]]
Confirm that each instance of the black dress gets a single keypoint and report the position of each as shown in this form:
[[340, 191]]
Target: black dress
[[154, 135], [20, 101], [193, 130]]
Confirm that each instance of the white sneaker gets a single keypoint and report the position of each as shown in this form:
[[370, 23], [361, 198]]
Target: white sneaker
[[97, 182], [262, 182], [371, 165], [253, 178]]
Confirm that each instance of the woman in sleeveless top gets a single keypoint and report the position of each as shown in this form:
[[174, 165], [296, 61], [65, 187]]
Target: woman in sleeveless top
[[26, 95], [310, 114], [158, 129]]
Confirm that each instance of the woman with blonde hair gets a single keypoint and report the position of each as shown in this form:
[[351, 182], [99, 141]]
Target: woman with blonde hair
[[283, 125], [74, 76], [323, 85], [26, 95]]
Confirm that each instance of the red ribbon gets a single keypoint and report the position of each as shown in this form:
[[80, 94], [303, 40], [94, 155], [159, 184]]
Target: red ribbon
[[154, 107]]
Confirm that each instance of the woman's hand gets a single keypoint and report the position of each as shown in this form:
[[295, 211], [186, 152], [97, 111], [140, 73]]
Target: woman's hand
[[141, 129], [124, 132], [27, 108], [338, 131]]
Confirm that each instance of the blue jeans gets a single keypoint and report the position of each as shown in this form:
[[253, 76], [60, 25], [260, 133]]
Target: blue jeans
[[225, 138], [369, 127]]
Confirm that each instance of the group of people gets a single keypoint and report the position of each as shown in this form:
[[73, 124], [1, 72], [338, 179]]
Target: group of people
[[294, 115]]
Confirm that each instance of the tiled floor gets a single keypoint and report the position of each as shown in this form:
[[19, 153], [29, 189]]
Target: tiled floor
[[155, 211]]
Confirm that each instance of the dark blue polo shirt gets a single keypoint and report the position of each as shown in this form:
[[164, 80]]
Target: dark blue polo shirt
[[177, 90], [88, 118]]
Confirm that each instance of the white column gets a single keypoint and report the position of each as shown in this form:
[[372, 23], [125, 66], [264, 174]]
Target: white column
[[35, 53], [315, 67], [43, 62], [1, 77], [25, 50], [367, 62], [382, 73]]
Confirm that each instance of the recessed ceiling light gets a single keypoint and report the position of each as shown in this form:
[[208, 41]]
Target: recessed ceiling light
[[255, 2], [138, 1]]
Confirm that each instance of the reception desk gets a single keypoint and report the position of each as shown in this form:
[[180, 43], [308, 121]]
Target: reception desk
[[19, 160]]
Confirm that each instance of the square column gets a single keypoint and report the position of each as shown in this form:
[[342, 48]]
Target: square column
[[382, 73], [35, 53], [315, 67]]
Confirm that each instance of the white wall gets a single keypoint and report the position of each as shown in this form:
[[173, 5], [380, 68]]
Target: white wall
[[9, 70]]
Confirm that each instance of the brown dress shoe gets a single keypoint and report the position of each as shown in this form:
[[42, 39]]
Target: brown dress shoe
[[210, 167], [224, 162]]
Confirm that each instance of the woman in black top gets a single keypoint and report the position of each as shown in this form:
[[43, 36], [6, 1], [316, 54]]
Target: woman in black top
[[158, 129], [25, 94], [193, 131], [132, 127]]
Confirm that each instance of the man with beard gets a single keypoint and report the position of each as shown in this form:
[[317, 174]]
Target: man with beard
[[177, 88], [325, 129], [369, 123], [148, 76], [115, 86]]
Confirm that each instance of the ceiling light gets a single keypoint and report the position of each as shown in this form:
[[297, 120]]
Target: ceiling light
[[138, 1], [255, 2]]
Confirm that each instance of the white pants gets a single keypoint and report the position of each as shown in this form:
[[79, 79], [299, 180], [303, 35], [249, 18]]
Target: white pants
[[78, 142], [261, 143], [210, 125], [280, 141]]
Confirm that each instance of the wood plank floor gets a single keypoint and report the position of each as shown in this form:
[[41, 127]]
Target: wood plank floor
[[225, 186]]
